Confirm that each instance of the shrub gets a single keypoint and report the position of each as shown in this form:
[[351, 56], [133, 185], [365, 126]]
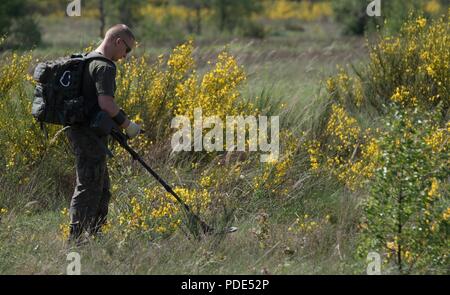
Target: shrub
[[20, 146], [409, 69], [172, 87], [403, 161], [24, 33], [9, 10], [406, 216], [297, 10], [352, 15], [254, 30], [167, 29], [354, 19]]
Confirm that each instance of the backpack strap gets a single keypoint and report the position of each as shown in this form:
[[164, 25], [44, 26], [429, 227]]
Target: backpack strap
[[96, 55]]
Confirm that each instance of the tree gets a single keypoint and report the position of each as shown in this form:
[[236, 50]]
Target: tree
[[407, 210], [127, 10], [233, 13], [354, 19], [46, 7], [18, 24], [197, 6], [10, 10], [101, 8]]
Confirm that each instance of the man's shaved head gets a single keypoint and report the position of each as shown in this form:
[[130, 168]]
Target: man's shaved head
[[118, 42], [119, 31]]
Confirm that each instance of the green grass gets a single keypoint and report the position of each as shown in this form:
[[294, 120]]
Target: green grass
[[32, 245]]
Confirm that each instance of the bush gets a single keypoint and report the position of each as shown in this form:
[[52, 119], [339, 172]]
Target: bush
[[354, 19], [173, 87], [168, 29], [254, 30], [407, 213], [297, 10], [386, 128], [234, 14], [410, 69], [24, 33], [352, 15], [20, 145], [9, 10], [17, 24]]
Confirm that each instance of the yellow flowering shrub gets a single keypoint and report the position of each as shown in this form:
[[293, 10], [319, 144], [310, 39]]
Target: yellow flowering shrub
[[404, 163], [346, 89], [22, 145], [215, 178], [216, 94], [439, 139], [273, 176], [301, 10], [158, 212], [404, 213], [273, 10], [306, 224], [64, 227], [178, 12], [309, 230], [157, 92], [348, 153], [446, 214], [410, 70]]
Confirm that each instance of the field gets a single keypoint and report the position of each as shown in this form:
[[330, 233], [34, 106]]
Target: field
[[305, 214]]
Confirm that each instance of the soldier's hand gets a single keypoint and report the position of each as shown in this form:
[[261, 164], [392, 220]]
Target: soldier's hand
[[133, 130]]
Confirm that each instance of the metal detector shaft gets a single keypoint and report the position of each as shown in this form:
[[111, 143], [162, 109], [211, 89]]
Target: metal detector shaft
[[121, 139]]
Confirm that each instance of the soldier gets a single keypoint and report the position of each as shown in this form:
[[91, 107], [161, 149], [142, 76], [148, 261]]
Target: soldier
[[89, 204]]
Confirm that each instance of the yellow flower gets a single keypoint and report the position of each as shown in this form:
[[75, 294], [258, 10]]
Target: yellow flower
[[430, 71], [392, 246], [437, 140], [65, 230], [446, 214], [434, 188], [408, 256], [421, 22], [106, 227], [434, 227], [65, 212], [303, 10], [400, 95]]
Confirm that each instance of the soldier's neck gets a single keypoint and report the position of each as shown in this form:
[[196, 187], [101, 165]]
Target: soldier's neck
[[104, 50]]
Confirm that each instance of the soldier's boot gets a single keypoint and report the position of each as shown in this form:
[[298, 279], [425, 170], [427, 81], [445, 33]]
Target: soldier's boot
[[76, 237]]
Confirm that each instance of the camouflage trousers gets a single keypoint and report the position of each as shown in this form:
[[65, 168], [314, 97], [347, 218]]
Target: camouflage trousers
[[90, 200]]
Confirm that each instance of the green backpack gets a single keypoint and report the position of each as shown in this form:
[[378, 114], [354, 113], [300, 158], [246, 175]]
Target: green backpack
[[58, 95]]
